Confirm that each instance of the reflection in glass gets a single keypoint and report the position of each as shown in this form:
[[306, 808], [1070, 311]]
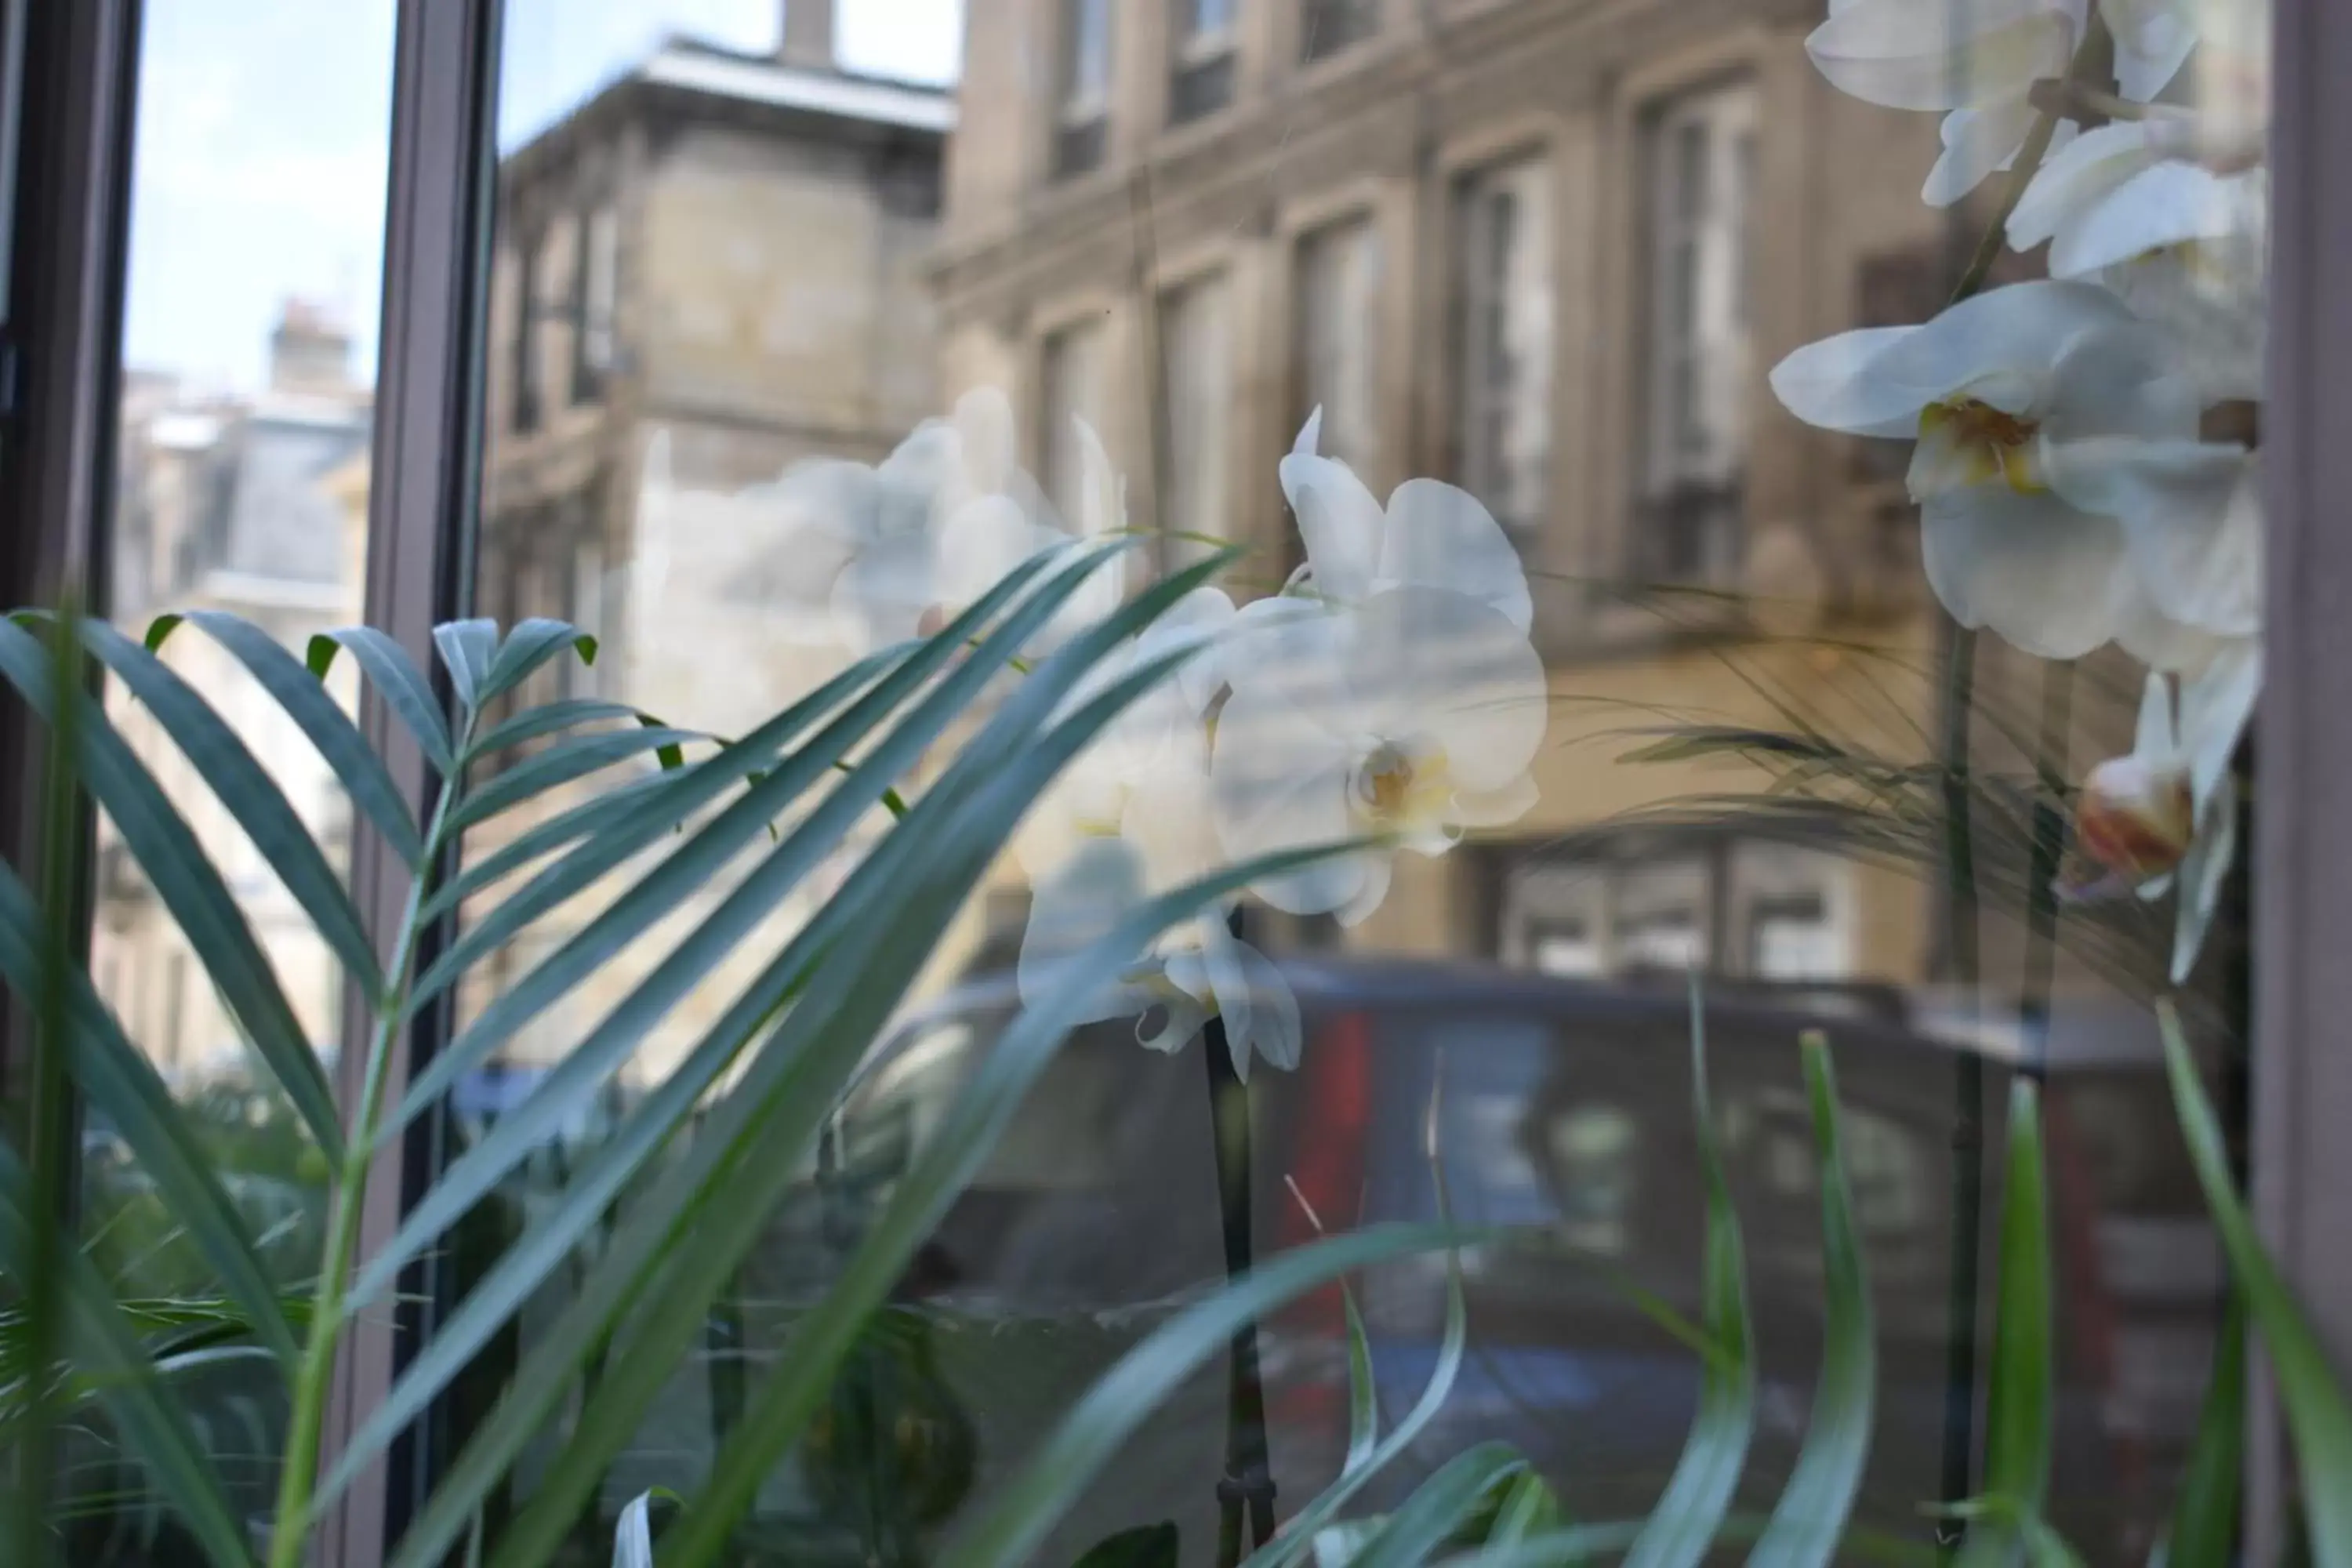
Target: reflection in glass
[[242, 483], [1655, 668]]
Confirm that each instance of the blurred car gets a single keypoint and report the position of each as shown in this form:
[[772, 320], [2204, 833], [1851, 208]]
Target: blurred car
[[1561, 1108]]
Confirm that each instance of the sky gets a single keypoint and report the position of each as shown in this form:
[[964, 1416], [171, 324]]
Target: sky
[[259, 165]]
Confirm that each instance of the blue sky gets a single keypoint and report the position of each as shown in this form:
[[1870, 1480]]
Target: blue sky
[[259, 169]]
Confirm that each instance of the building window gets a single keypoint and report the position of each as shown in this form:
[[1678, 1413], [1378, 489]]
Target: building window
[[1328, 27], [1202, 74], [1505, 310], [1738, 909], [1338, 313], [1083, 110], [1196, 356], [1701, 157], [596, 295], [530, 389], [1069, 380]]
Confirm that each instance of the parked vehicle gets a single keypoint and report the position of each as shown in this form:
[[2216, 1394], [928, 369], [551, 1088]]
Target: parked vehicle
[[1560, 1108]]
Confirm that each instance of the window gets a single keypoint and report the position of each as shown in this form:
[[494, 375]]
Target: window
[[1082, 110], [1202, 72], [1069, 383], [1197, 355], [759, 443], [529, 371], [1328, 27], [1339, 309], [1701, 157], [595, 297], [1503, 223]]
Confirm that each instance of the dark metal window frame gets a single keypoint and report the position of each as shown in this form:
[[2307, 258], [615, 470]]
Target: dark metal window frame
[[58, 369]]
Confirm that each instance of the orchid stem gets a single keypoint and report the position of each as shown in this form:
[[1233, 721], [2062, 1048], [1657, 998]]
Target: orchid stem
[[2093, 64], [1248, 1478], [2093, 68]]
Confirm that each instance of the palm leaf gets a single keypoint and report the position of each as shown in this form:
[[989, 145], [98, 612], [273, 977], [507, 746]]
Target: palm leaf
[[1698, 1495], [1810, 1518], [2317, 1412]]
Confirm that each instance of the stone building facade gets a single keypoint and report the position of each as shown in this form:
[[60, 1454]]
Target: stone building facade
[[244, 503], [708, 271], [725, 251], [1547, 250]]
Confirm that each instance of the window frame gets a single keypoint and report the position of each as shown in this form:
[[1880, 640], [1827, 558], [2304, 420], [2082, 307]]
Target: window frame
[[1193, 478], [1688, 505], [1480, 308], [1079, 122], [65, 287], [2302, 845], [1203, 63]]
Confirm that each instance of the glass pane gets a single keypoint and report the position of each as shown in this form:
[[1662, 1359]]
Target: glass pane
[[1636, 624], [257, 226]]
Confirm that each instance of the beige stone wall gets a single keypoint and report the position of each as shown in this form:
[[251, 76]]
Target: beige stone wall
[[1836, 617], [779, 288]]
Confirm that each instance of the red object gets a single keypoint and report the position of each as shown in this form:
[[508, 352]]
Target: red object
[[1327, 1166]]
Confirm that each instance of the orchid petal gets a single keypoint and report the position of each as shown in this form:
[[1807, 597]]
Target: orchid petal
[[1440, 665], [2162, 204], [1340, 521], [1279, 781], [2203, 876], [1829, 383], [2155, 741], [2032, 568], [2127, 379], [1377, 872], [1441, 536], [2192, 516], [1996, 346], [2156, 640], [1310, 434], [1915, 54], [1069, 911], [1979, 142], [2215, 709], [2071, 182], [1275, 1031]]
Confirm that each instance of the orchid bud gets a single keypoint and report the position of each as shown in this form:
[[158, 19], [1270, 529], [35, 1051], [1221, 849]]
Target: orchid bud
[[2135, 819]]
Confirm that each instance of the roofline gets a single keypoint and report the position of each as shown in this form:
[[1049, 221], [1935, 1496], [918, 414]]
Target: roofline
[[687, 67], [838, 95]]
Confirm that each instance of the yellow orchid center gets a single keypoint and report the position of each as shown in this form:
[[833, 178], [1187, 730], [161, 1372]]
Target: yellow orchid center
[[1402, 785], [1965, 442]]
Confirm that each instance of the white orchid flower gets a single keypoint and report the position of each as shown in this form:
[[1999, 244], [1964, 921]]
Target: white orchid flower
[[1428, 535], [1987, 389], [855, 562], [1198, 970], [1004, 521], [2153, 39], [1162, 733], [1411, 717], [2193, 519], [2128, 206], [1976, 63], [2168, 813]]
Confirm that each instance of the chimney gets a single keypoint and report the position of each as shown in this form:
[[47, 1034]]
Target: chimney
[[808, 34], [310, 351]]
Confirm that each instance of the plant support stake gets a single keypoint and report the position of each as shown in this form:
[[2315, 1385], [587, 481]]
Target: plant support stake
[[1249, 1477]]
